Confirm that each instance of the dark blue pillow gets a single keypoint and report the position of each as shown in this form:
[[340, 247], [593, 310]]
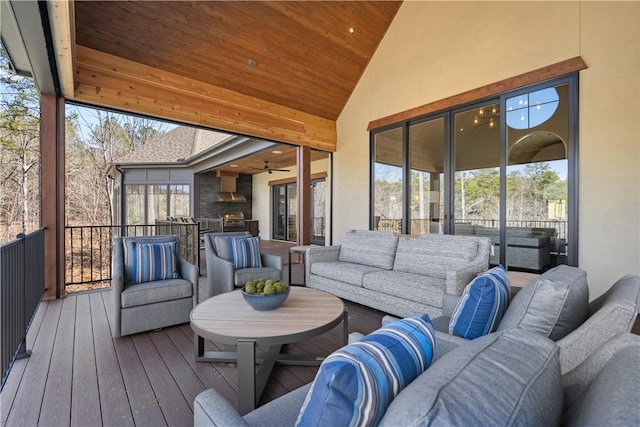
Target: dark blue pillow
[[245, 252], [482, 304], [154, 261], [356, 384]]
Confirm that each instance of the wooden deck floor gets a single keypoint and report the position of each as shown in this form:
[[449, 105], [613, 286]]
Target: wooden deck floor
[[78, 375]]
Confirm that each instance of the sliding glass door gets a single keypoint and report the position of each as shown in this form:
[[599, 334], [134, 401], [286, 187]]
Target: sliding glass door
[[504, 168], [285, 210]]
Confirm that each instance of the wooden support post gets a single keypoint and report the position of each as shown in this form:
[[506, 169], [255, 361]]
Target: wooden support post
[[303, 223], [52, 192]]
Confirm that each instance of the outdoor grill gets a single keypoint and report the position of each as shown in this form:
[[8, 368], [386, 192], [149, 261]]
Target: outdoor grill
[[234, 221]]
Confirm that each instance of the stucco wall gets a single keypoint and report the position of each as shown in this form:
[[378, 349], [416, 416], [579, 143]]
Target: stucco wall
[[437, 49]]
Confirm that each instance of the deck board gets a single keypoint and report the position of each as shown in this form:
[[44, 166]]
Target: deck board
[[206, 372], [26, 407], [85, 402], [56, 404], [113, 397], [186, 379], [11, 385], [173, 404], [142, 398]]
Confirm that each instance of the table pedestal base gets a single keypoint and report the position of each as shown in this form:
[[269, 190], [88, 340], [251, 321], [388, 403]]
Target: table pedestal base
[[254, 368]]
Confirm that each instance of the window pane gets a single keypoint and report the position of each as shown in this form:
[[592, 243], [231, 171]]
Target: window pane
[[318, 212], [477, 172], [388, 181], [537, 188], [279, 212], [426, 145], [292, 211], [134, 204], [157, 203], [180, 200]]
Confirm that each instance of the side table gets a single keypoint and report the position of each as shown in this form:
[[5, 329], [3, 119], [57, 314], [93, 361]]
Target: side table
[[299, 250]]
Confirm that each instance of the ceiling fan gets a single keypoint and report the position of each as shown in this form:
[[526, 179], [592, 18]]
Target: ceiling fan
[[270, 169]]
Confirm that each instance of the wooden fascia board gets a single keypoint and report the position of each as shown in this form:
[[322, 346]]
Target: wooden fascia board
[[110, 81], [62, 22], [292, 179], [546, 73]]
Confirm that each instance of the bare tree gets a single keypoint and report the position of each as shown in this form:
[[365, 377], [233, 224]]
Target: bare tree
[[19, 152], [95, 139]]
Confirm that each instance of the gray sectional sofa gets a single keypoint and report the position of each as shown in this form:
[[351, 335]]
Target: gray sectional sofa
[[515, 376], [529, 248], [506, 378], [403, 276], [556, 305]]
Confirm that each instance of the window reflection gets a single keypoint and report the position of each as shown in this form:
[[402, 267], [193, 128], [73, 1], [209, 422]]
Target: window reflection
[[532, 109], [387, 172]]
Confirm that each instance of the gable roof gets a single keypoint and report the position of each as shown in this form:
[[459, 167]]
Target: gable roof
[[174, 146]]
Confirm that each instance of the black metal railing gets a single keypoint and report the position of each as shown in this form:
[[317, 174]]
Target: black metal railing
[[21, 289], [395, 224], [89, 248]]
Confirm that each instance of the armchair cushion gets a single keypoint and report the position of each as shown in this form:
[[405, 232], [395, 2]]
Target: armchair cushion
[[154, 261], [245, 252], [355, 384], [153, 292], [482, 305]]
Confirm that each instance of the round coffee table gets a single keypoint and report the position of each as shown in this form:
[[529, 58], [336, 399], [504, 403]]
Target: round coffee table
[[228, 319]]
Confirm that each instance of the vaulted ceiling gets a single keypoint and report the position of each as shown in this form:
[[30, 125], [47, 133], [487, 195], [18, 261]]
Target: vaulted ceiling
[[276, 69]]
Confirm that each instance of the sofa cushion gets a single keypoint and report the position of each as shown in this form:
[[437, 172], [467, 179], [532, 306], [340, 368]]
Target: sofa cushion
[[553, 305], [412, 287], [482, 304], [373, 248], [152, 292], [603, 390], [434, 254], [345, 272], [510, 378], [613, 398], [245, 252], [356, 383], [154, 261]]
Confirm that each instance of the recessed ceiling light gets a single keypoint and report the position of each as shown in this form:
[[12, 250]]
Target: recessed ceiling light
[[233, 166], [277, 152], [352, 30]]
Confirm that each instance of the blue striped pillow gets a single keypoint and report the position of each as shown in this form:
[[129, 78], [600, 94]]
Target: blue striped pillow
[[154, 261], [482, 304], [356, 384], [245, 252]]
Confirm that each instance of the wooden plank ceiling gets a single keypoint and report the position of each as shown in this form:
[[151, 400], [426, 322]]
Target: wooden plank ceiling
[[281, 156], [277, 69]]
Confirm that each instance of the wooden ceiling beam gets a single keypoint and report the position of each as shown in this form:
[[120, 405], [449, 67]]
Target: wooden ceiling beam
[[107, 80]]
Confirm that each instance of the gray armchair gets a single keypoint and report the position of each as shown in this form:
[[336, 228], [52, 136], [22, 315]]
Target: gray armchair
[[223, 277], [145, 306]]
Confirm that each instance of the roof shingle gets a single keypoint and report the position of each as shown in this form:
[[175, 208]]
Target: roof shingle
[[179, 143]]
